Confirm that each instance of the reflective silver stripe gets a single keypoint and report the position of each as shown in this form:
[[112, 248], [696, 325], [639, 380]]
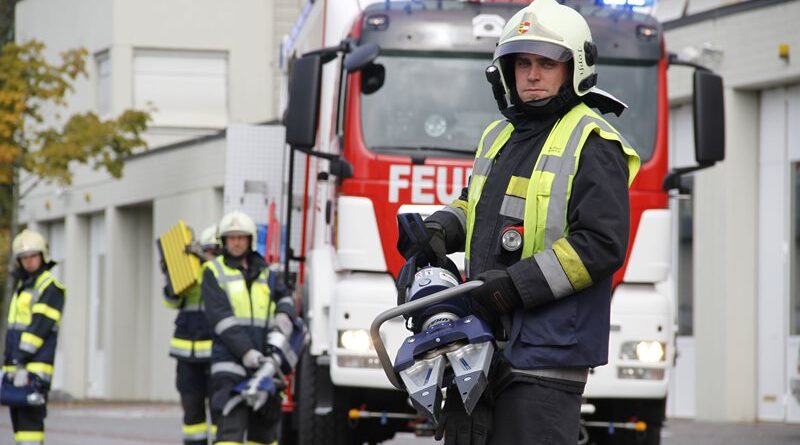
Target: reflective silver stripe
[[224, 324], [571, 374], [17, 326], [258, 322], [180, 352], [28, 347], [608, 129], [230, 367], [466, 266], [482, 166], [563, 167], [492, 136], [223, 283], [513, 207], [28, 442], [196, 436], [202, 353], [553, 273], [286, 300], [459, 213], [192, 308]]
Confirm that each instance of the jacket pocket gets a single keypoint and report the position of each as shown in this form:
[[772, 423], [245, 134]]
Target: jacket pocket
[[551, 324]]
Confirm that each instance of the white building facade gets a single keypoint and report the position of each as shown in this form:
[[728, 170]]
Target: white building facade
[[738, 298], [200, 66]]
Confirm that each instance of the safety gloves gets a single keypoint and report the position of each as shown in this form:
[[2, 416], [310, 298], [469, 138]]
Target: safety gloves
[[459, 428], [424, 241], [497, 296], [252, 359]]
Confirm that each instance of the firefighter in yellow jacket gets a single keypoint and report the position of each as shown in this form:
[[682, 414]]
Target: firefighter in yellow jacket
[[33, 320], [191, 347]]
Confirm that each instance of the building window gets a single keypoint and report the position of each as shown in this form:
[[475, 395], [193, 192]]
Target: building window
[[186, 88], [103, 85], [686, 259], [794, 264]]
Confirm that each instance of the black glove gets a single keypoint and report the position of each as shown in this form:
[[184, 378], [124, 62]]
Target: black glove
[[420, 240], [497, 296], [458, 428]]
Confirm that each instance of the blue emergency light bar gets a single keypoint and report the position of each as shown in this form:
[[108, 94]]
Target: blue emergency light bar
[[627, 3]]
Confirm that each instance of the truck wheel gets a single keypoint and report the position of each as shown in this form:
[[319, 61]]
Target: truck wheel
[[331, 428]]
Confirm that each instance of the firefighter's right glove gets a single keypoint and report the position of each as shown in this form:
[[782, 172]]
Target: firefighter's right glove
[[20, 378], [458, 428], [498, 296], [252, 359]]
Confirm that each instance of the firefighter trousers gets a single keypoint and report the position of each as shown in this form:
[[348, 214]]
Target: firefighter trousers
[[193, 381], [527, 413], [242, 423], [28, 424]]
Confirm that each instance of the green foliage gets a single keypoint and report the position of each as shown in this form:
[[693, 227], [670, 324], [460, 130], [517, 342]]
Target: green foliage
[[30, 84]]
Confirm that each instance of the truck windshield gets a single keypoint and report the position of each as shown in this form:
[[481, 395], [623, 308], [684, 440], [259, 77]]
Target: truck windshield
[[440, 105], [636, 85]]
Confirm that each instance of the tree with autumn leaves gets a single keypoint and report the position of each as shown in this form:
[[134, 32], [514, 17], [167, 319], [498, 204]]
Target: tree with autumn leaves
[[39, 149]]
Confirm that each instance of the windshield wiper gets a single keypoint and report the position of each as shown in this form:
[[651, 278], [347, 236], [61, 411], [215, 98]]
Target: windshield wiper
[[427, 148]]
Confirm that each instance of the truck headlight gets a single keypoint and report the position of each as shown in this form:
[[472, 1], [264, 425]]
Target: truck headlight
[[643, 351], [355, 340]]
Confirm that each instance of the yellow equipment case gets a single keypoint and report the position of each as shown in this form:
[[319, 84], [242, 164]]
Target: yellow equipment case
[[183, 268]]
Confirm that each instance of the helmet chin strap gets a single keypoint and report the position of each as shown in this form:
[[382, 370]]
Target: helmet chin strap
[[565, 98]]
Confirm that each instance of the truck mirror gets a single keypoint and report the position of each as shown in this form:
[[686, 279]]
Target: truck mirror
[[361, 57], [341, 168], [302, 114], [709, 118]]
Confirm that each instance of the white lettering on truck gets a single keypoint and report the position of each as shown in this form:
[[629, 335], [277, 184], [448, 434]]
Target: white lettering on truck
[[428, 184]]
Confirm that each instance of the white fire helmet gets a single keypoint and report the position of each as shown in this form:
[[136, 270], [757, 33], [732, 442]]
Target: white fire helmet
[[27, 242], [550, 29], [238, 223], [208, 238]]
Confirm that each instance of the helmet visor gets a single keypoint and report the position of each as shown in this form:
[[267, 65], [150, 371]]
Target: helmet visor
[[544, 49]]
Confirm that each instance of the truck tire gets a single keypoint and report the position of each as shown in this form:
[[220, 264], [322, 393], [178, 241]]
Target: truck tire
[[331, 428]]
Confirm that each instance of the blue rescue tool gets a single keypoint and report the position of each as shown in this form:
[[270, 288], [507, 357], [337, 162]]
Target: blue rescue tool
[[280, 359], [450, 344]]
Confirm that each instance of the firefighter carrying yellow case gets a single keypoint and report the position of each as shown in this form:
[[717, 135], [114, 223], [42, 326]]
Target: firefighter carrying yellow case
[[183, 268]]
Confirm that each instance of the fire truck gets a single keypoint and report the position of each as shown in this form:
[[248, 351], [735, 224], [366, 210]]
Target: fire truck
[[384, 114]]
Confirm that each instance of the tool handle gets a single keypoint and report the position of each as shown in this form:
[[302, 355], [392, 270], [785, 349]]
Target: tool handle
[[404, 309]]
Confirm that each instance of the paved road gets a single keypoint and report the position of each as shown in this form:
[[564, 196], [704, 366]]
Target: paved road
[[155, 424]]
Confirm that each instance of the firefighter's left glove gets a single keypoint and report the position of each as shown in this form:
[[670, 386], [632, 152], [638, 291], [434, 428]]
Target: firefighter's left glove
[[498, 295], [458, 428], [20, 377], [252, 359]]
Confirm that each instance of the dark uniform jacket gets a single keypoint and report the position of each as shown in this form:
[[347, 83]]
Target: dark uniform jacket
[[573, 331], [22, 348]]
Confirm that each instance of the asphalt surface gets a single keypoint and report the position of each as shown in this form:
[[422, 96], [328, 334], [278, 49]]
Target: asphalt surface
[[142, 424]]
